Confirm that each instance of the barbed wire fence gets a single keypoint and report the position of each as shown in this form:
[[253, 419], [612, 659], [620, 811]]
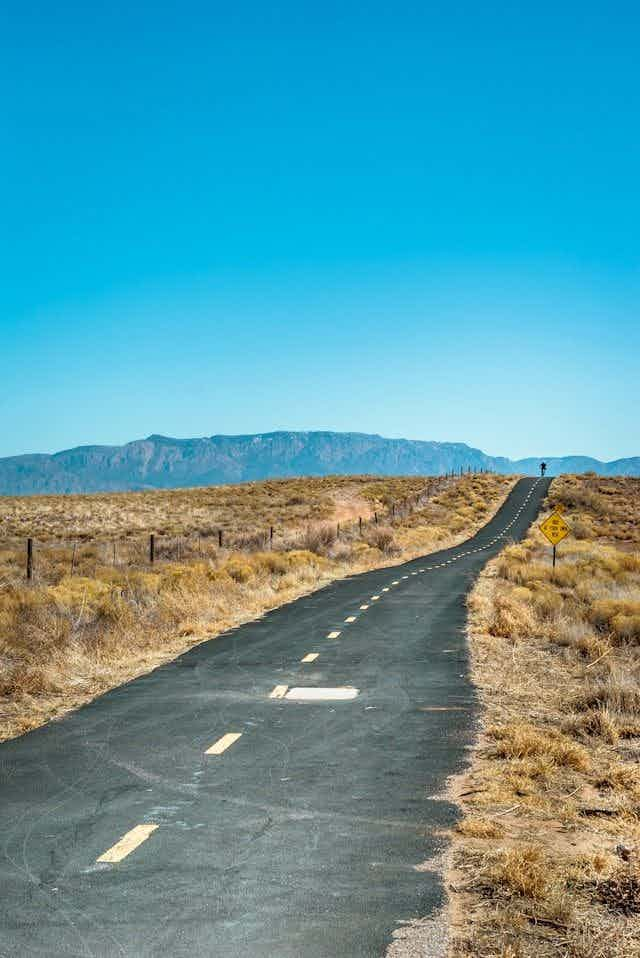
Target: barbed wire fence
[[47, 560]]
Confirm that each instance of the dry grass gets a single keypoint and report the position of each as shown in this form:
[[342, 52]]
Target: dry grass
[[476, 827], [178, 512], [521, 740], [244, 508], [92, 619], [556, 657]]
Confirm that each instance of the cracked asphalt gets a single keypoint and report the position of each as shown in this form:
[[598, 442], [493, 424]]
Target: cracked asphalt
[[302, 836]]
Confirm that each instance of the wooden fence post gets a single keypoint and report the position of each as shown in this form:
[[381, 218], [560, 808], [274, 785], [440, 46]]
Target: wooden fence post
[[220, 538], [73, 557], [29, 558], [271, 537], [338, 531], [360, 524], [152, 548], [375, 518]]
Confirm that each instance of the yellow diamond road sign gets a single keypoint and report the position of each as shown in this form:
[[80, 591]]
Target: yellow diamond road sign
[[555, 528]]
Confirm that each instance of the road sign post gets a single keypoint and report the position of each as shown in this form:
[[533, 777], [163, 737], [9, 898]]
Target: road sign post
[[555, 529]]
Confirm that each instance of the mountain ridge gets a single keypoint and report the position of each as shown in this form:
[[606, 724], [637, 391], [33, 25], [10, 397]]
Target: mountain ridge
[[161, 462]]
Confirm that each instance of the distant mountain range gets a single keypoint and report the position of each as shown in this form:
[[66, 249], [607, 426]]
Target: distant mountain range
[[161, 463]]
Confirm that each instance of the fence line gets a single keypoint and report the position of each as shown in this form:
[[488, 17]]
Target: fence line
[[246, 541]]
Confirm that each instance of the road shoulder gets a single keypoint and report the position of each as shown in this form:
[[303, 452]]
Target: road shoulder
[[544, 860]]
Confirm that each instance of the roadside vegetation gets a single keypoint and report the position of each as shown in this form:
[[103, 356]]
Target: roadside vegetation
[[238, 510], [546, 857], [98, 613]]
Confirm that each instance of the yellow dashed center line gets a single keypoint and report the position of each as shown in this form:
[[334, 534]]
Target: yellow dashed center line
[[223, 743], [139, 833], [127, 843]]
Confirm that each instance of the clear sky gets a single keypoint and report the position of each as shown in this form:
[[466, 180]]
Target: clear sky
[[417, 219]]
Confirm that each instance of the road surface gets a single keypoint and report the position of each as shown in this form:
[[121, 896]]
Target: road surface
[[204, 810]]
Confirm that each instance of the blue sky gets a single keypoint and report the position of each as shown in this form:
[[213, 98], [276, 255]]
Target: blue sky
[[413, 219]]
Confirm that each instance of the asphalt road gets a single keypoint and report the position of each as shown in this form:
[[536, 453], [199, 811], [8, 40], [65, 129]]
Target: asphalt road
[[302, 836]]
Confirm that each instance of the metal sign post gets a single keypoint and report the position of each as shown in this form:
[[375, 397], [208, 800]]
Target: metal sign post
[[555, 529]]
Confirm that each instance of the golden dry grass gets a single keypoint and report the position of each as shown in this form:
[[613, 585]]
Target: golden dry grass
[[92, 619], [285, 503], [239, 509], [556, 658]]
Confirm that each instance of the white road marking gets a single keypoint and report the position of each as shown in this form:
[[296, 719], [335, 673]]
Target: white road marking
[[350, 618], [333, 635], [310, 657], [128, 843], [322, 695], [396, 582], [374, 598], [223, 743], [279, 692], [364, 608]]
